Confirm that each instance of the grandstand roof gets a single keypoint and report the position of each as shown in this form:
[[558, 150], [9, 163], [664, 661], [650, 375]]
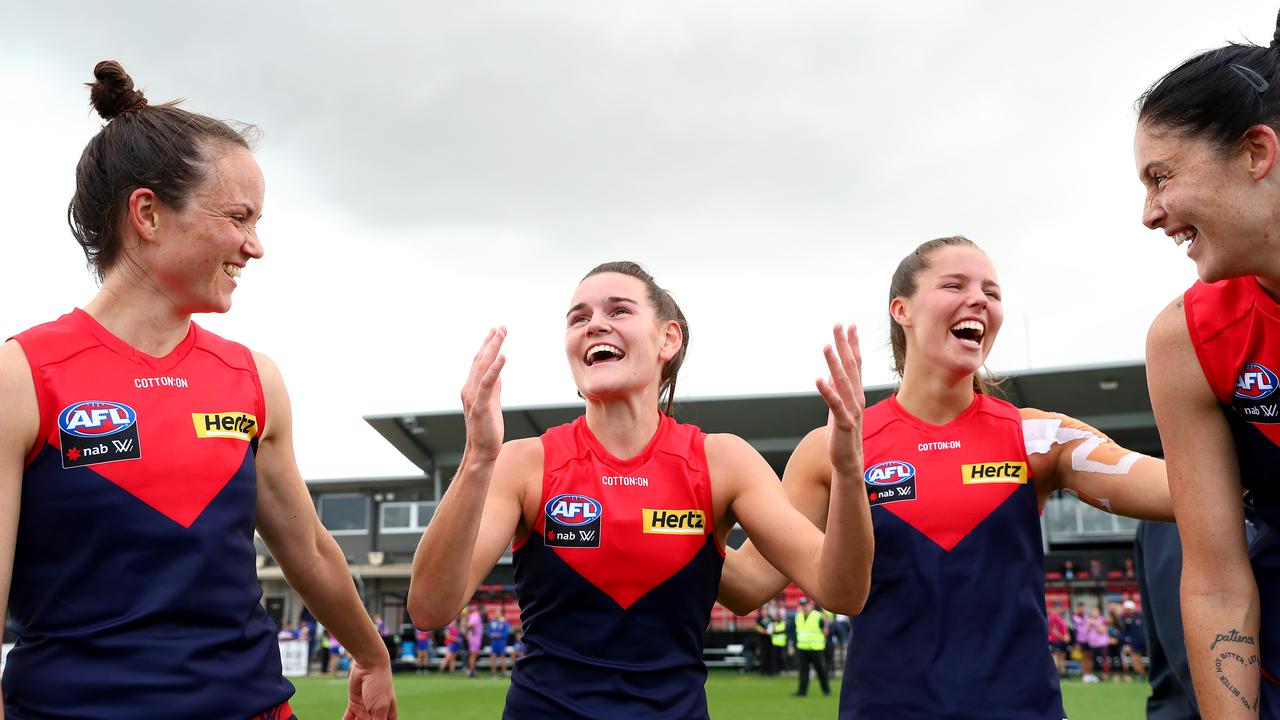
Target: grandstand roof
[[1112, 398]]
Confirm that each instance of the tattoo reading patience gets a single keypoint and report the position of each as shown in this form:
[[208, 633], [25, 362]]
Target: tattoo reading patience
[[1229, 665]]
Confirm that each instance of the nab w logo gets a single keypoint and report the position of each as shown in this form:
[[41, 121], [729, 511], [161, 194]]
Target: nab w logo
[[1255, 382], [890, 472]]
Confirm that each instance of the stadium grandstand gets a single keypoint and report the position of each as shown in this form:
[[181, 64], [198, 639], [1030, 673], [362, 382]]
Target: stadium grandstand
[[379, 520]]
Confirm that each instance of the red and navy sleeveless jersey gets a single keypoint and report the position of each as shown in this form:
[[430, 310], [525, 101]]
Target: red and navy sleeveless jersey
[[1235, 329], [134, 591], [616, 580], [955, 624]]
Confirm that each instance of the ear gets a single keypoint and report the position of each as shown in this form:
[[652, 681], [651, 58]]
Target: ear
[[899, 311], [672, 341], [1262, 148], [144, 213]]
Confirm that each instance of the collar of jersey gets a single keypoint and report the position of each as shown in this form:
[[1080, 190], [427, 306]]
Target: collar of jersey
[[132, 354], [631, 463], [902, 414]]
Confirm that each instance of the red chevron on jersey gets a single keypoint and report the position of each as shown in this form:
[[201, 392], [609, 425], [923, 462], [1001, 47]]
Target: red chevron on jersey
[[914, 472], [626, 526], [172, 445]]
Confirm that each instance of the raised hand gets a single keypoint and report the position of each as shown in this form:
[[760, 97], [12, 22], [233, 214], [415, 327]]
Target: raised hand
[[842, 391], [481, 398]]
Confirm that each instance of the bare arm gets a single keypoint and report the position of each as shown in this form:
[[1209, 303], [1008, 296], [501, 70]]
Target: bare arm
[[19, 425], [1220, 610], [748, 580], [311, 560], [483, 507], [834, 568], [1089, 465]]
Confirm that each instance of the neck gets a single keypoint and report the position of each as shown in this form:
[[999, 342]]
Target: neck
[[137, 313], [933, 396], [624, 426]]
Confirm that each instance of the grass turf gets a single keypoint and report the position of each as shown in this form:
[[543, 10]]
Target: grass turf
[[729, 695]]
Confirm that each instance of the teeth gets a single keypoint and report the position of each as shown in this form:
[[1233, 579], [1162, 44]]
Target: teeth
[[603, 347], [1184, 236], [232, 270], [969, 325]]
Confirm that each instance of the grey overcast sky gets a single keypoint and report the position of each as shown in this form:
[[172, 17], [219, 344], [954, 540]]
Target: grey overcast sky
[[435, 168]]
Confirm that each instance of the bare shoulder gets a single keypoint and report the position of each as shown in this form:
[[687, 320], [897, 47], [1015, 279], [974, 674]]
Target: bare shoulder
[[1168, 332], [268, 372], [521, 455], [20, 421], [725, 450]]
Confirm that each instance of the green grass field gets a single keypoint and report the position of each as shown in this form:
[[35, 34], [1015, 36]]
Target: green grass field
[[729, 694]]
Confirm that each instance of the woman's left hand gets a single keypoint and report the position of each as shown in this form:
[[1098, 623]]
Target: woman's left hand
[[842, 391], [370, 693]]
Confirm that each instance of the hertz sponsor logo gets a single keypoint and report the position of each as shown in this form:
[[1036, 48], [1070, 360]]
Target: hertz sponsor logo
[[234, 425], [675, 522], [997, 472]]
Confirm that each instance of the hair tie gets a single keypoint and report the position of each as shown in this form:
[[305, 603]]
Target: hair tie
[[1256, 81]]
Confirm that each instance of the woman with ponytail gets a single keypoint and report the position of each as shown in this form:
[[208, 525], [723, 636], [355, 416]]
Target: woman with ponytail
[[618, 520], [139, 453], [955, 622], [1206, 149]]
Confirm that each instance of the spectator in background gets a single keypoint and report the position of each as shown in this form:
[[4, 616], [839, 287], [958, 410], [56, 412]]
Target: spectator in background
[[1059, 640], [1095, 569], [1080, 623], [811, 641], [1115, 643], [322, 653], [1134, 637], [1068, 570], [422, 648], [474, 630], [1099, 640], [453, 645], [499, 633], [764, 641]]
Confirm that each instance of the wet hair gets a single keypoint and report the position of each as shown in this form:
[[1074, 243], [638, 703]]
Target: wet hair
[[1218, 95], [904, 285], [667, 310], [160, 147]]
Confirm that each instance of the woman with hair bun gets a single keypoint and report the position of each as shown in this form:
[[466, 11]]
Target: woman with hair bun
[[140, 452], [955, 622], [1206, 149], [619, 518]]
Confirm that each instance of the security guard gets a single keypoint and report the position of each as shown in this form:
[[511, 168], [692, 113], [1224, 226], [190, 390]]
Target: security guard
[[811, 641]]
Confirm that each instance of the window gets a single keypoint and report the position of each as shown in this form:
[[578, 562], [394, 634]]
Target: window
[[346, 514], [406, 517]]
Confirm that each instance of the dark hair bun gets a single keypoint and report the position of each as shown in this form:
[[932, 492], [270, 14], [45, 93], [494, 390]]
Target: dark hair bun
[[113, 94], [1275, 37]]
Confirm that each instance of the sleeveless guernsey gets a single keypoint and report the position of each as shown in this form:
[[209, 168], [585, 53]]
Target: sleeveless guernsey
[[1235, 329], [955, 625], [616, 580], [134, 591]]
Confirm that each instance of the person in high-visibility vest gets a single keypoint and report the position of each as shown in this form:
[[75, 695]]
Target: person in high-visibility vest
[[811, 640], [778, 640]]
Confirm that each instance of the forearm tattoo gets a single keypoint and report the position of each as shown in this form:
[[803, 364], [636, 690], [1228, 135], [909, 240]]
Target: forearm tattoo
[[1235, 656]]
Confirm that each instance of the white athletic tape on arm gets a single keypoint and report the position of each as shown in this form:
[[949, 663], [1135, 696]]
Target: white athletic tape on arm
[[1042, 434]]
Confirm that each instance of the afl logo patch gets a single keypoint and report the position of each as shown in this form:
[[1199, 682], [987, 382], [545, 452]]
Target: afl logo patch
[[96, 419], [97, 431], [890, 481], [1255, 382], [573, 521]]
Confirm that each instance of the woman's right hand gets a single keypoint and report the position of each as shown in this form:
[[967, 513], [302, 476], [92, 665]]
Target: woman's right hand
[[481, 398]]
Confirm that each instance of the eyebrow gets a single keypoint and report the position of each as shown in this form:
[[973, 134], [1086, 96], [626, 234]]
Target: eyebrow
[[962, 276], [1146, 171], [615, 300]]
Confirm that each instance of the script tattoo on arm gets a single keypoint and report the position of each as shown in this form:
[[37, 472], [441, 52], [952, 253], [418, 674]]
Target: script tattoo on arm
[[1235, 654]]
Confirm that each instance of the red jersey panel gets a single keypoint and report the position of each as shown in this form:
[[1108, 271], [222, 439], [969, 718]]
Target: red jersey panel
[[617, 579]]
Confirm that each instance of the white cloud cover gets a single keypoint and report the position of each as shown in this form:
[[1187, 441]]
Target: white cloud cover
[[436, 168]]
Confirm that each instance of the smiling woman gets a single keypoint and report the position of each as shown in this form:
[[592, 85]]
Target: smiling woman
[[139, 453], [618, 519], [1206, 149]]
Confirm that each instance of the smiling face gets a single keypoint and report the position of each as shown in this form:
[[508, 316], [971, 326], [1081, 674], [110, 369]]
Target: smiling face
[[952, 320], [199, 250], [1207, 201], [615, 343]]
